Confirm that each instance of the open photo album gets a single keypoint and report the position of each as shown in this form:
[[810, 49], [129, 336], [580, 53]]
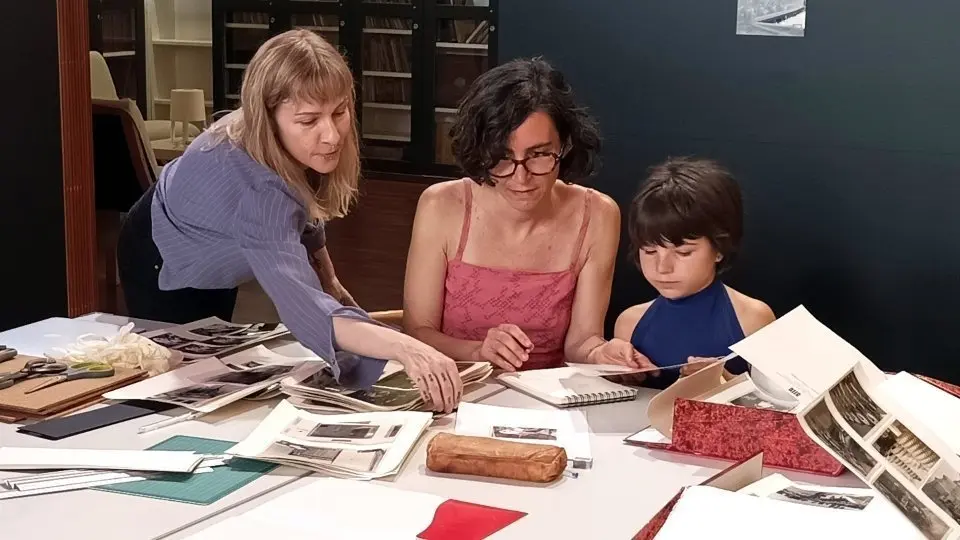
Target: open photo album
[[360, 446], [316, 390]]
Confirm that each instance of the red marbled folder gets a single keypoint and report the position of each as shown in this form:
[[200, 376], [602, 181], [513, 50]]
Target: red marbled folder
[[735, 433]]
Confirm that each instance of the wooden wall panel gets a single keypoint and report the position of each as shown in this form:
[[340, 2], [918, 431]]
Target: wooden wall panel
[[76, 153], [369, 246]]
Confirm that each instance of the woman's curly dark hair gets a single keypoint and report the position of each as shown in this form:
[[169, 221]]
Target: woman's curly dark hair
[[502, 98]]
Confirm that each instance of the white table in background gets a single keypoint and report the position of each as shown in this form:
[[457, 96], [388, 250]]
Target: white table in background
[[625, 487]]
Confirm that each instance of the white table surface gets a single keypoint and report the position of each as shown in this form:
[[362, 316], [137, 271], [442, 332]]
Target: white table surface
[[626, 486]]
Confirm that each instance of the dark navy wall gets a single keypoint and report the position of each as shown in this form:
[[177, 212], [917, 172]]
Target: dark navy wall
[[846, 143]]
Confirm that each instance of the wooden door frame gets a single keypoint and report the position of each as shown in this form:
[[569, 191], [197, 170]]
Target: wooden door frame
[[76, 128]]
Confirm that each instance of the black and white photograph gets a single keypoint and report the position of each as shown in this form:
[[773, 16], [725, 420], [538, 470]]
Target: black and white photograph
[[755, 400], [399, 380], [855, 406], [778, 18], [911, 456], [943, 488], [357, 460], [823, 499], [170, 340], [255, 375], [536, 434], [386, 397], [309, 432], [200, 349], [929, 524], [824, 427], [199, 393], [216, 330], [227, 341]]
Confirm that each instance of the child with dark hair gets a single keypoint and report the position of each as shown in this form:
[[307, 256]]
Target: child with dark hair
[[685, 228]]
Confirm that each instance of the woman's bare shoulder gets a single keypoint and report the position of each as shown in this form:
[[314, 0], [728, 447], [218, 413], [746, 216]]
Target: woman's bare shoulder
[[443, 200], [627, 321], [752, 313]]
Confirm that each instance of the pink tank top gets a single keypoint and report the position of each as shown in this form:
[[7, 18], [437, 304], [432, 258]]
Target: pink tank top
[[478, 298]]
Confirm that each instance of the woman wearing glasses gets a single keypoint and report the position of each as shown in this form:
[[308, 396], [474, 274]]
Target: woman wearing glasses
[[509, 265]]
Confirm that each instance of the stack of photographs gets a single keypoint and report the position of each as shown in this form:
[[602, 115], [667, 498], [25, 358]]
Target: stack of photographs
[[319, 392], [214, 337], [210, 393], [357, 446]]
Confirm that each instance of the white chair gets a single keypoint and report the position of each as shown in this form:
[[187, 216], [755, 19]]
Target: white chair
[[102, 87]]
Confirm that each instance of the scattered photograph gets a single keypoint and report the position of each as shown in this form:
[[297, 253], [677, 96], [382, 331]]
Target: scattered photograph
[[251, 364], [343, 431], [312, 433], [943, 488], [254, 376], [227, 341], [169, 340], [823, 499], [906, 452], [199, 393], [200, 349], [357, 460], [254, 331], [822, 424], [784, 18], [855, 406], [537, 434], [216, 330], [929, 524], [755, 400]]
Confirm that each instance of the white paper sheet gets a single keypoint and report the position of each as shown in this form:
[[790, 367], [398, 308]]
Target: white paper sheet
[[706, 512], [23, 458], [649, 435], [565, 428], [938, 410], [801, 355], [332, 509]]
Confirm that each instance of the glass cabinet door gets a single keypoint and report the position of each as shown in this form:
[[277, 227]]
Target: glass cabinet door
[[117, 41], [245, 31], [320, 16], [462, 54], [387, 62]]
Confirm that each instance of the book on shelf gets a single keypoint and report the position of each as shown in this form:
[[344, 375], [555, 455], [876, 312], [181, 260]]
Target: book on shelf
[[316, 390], [357, 446]]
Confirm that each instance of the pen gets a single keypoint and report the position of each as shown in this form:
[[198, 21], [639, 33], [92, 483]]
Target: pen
[[170, 421]]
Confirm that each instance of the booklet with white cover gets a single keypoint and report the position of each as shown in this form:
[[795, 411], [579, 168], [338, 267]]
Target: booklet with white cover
[[565, 428], [361, 446]]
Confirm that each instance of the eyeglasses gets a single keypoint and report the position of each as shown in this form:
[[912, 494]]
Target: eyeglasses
[[537, 164]]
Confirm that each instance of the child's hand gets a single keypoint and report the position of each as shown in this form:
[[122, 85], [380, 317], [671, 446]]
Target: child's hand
[[696, 363], [619, 352]]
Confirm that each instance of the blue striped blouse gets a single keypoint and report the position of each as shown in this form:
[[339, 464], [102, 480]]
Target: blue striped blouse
[[221, 219]]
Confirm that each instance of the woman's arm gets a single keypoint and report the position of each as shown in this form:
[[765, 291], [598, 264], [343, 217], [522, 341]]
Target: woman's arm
[[585, 342], [267, 225], [427, 269], [323, 267]]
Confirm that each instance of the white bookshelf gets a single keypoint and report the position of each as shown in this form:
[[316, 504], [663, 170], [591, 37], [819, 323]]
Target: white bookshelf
[[179, 51]]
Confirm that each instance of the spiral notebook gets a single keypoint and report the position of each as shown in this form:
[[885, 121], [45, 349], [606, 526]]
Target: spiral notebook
[[567, 387]]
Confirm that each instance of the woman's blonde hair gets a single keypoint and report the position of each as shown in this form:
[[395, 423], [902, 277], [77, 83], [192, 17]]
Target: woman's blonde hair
[[301, 66]]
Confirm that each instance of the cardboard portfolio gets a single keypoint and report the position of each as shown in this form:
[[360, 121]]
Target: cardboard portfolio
[[16, 404]]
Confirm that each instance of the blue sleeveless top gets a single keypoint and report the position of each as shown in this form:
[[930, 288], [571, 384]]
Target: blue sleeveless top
[[703, 324]]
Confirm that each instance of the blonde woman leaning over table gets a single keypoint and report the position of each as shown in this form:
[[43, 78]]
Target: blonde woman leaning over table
[[511, 266], [247, 200]]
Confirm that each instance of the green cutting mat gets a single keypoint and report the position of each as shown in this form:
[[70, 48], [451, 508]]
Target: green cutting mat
[[204, 488]]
